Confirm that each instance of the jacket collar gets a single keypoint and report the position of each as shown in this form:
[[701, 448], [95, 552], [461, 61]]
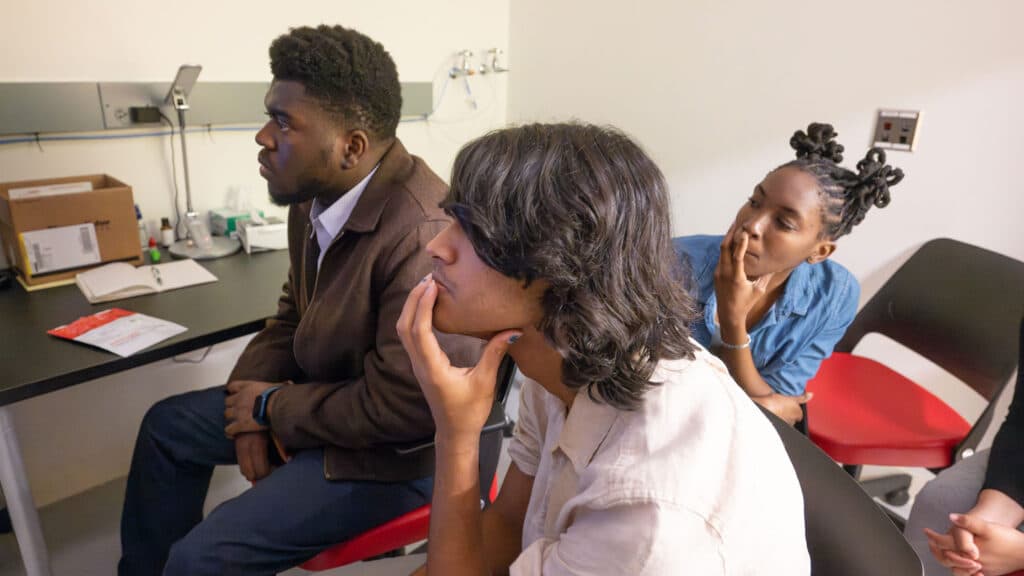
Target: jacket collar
[[394, 167]]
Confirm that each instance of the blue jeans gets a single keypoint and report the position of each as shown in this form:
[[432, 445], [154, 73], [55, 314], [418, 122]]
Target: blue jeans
[[285, 519]]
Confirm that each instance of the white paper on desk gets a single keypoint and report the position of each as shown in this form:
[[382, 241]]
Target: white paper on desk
[[119, 331], [53, 249]]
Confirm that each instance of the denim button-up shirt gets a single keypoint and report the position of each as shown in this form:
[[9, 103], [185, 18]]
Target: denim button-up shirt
[[798, 331]]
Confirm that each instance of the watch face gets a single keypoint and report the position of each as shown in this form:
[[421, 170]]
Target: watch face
[[257, 410]]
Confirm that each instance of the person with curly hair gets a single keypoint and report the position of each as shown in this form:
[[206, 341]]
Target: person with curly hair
[[318, 400], [634, 451], [772, 304]]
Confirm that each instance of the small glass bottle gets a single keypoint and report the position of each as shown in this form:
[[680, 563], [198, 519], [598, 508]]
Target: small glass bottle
[[166, 232], [143, 234]]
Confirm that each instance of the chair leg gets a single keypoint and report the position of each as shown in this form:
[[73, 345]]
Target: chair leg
[[894, 489]]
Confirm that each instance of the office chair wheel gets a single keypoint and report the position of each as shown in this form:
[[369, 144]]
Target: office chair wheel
[[897, 497]]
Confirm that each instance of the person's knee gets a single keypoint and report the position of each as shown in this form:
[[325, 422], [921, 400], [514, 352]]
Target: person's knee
[[192, 556], [932, 503], [160, 415], [159, 423]]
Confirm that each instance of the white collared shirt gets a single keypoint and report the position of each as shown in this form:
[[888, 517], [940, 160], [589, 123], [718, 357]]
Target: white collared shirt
[[328, 222], [696, 481]]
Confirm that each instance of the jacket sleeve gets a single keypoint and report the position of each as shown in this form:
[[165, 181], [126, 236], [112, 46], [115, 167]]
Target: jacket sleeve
[[385, 404], [269, 356], [1006, 461]]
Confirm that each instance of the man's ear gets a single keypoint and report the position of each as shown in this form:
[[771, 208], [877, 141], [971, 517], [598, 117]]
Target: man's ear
[[354, 145], [822, 250]]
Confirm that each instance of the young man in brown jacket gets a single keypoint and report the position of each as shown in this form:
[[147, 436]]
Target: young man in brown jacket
[[318, 400]]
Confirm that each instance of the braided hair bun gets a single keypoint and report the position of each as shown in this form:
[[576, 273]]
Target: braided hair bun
[[818, 143], [847, 195]]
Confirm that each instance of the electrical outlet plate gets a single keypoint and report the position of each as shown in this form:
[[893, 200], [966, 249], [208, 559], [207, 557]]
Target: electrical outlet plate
[[897, 129], [116, 99]]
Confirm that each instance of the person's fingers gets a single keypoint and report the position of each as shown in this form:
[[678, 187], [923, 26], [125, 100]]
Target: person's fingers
[[739, 270], [231, 430], [968, 522], [261, 463], [422, 332], [404, 325], [963, 539], [724, 266], [796, 415], [234, 386], [944, 541], [937, 553], [230, 400], [244, 461], [739, 247], [761, 284], [962, 562], [490, 359]]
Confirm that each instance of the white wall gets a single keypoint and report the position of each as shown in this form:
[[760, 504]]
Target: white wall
[[714, 90], [81, 437], [121, 40]]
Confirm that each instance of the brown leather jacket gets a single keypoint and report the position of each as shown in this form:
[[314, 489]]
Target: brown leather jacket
[[350, 388]]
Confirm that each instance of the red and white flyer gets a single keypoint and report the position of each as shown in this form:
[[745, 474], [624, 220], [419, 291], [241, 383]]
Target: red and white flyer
[[119, 331]]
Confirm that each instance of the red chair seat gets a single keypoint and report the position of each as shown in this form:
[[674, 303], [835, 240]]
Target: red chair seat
[[406, 529], [865, 413]]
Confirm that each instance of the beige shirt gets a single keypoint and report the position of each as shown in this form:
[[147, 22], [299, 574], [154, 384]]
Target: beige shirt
[[696, 481]]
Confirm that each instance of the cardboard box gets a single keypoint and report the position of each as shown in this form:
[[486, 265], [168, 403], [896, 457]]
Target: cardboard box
[[104, 215]]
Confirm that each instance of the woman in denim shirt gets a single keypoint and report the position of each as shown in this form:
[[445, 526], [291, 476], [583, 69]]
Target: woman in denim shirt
[[772, 303]]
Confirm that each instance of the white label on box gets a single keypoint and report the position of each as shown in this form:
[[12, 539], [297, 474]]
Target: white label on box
[[61, 248], [49, 190]]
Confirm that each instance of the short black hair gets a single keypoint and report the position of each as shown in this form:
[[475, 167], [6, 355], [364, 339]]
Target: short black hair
[[846, 195], [583, 208], [348, 72]]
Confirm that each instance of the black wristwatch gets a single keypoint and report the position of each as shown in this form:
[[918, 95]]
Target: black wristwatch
[[259, 409]]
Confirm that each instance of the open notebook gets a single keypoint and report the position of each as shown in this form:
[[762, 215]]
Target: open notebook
[[122, 280]]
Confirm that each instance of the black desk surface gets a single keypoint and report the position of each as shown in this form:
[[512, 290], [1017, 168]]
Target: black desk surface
[[33, 363]]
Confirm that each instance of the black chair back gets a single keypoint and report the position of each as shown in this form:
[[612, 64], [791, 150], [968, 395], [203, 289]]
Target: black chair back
[[847, 533], [957, 305]]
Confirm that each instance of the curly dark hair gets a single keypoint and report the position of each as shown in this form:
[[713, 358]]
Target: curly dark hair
[[846, 195], [347, 72], [583, 208]]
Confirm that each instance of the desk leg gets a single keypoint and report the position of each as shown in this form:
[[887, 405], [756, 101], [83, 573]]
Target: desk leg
[[24, 516]]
